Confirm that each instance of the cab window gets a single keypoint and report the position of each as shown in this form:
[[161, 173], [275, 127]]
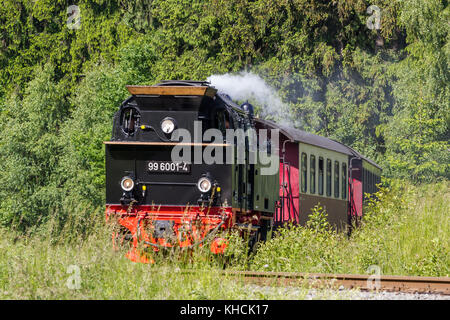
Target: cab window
[[129, 120], [219, 120], [228, 122]]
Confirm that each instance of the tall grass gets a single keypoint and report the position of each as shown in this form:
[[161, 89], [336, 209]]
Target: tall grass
[[43, 264], [406, 231]]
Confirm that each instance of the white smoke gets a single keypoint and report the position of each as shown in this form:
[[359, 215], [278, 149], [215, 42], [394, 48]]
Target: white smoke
[[249, 86]]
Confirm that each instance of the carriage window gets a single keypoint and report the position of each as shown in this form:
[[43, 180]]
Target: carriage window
[[129, 120], [312, 175], [371, 182], [328, 177], [321, 176], [363, 174], [304, 172], [336, 179], [364, 181], [344, 181]]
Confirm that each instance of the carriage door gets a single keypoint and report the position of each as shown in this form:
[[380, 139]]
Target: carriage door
[[355, 187]]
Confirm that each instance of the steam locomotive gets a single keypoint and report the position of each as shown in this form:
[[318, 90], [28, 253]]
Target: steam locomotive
[[160, 203]]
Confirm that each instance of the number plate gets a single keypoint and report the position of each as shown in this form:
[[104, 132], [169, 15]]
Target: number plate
[[168, 166]]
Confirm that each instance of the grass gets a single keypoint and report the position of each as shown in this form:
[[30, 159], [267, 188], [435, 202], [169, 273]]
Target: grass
[[44, 267], [406, 232], [38, 268]]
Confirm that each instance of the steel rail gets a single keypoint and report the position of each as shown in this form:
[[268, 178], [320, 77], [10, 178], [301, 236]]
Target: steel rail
[[437, 285]]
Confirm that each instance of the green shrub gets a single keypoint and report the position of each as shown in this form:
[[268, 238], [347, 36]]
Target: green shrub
[[405, 230]]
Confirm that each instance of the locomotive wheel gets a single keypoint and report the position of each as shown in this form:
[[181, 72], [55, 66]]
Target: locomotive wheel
[[253, 242], [259, 236]]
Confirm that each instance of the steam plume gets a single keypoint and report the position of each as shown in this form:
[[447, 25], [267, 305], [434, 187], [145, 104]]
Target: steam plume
[[249, 86]]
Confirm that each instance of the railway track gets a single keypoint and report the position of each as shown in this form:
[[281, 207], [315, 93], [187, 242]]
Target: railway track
[[409, 284]]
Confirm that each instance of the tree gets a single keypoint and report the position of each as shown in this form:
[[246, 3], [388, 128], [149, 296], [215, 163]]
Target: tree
[[418, 134]]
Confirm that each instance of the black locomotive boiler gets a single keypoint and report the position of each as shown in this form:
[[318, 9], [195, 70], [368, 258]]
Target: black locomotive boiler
[[160, 203]]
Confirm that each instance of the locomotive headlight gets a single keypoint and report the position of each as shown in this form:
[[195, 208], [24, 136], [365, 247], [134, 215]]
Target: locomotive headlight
[[204, 184], [168, 125], [127, 184]]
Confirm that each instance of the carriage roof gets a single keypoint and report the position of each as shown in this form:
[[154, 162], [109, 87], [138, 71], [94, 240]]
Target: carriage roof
[[302, 136]]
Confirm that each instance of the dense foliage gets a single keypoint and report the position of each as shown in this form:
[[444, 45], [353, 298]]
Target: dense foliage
[[383, 92]]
